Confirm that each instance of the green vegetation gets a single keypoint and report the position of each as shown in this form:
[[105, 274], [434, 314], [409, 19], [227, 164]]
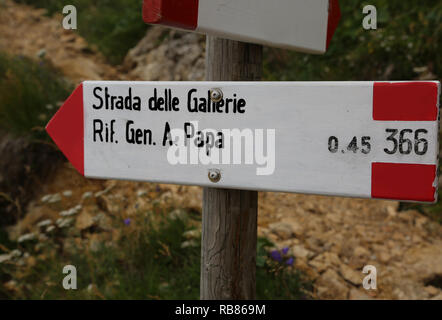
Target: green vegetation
[[145, 259], [405, 45], [30, 92], [113, 26]]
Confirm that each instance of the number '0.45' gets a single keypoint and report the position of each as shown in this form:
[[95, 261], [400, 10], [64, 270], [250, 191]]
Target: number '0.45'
[[405, 145], [333, 145]]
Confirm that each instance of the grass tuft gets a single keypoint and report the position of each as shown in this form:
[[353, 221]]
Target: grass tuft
[[30, 93]]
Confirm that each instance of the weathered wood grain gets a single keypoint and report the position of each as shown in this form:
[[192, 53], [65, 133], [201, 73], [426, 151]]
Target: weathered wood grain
[[229, 235]]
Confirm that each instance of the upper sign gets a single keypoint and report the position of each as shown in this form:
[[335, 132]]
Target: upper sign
[[302, 25], [360, 139]]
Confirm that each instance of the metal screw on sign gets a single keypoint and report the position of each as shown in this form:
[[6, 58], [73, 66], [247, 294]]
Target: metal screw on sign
[[216, 95], [214, 175]]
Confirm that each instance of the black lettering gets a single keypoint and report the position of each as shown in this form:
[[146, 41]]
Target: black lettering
[[98, 97], [98, 130]]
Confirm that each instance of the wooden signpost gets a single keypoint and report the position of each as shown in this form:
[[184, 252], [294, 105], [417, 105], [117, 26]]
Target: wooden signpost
[[230, 134]]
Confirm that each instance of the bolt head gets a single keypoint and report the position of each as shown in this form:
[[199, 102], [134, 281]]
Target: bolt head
[[214, 175], [216, 95]]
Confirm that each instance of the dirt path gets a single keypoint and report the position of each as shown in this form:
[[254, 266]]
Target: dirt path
[[331, 238], [27, 31]]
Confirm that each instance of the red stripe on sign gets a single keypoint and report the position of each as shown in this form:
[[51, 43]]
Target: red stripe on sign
[[403, 181], [66, 129], [174, 13], [406, 101], [334, 15]]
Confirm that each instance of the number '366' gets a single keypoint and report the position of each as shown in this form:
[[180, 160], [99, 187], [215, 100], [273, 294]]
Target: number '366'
[[405, 145]]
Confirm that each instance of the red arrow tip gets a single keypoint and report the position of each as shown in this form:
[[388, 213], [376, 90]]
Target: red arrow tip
[[334, 15], [66, 128]]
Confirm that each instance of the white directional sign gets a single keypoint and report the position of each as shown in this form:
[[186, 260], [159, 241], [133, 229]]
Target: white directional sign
[[302, 25], [359, 139]]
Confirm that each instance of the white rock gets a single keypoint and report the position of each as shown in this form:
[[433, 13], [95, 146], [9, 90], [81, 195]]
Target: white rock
[[299, 251], [71, 211], [67, 193], [192, 234], [64, 222], [189, 244], [87, 195], [177, 214], [284, 230], [44, 223], [141, 193], [27, 237], [55, 198], [5, 257], [16, 253], [351, 275], [46, 198]]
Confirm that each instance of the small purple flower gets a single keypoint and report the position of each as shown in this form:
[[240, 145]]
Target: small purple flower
[[127, 221], [290, 261], [276, 255], [285, 251]]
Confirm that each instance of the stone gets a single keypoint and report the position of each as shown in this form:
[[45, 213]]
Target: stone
[[178, 214], [46, 198], [67, 193], [391, 211], [384, 257], [356, 294], [87, 195], [361, 252], [432, 291], [189, 244], [64, 222], [351, 275], [178, 56], [106, 204], [103, 221], [285, 229], [71, 211], [84, 221], [192, 234], [5, 257], [325, 261], [331, 286], [51, 198], [44, 223], [141, 193], [27, 237], [16, 253], [438, 297], [55, 198], [299, 251]]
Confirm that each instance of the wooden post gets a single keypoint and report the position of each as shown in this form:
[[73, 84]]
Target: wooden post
[[229, 232]]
